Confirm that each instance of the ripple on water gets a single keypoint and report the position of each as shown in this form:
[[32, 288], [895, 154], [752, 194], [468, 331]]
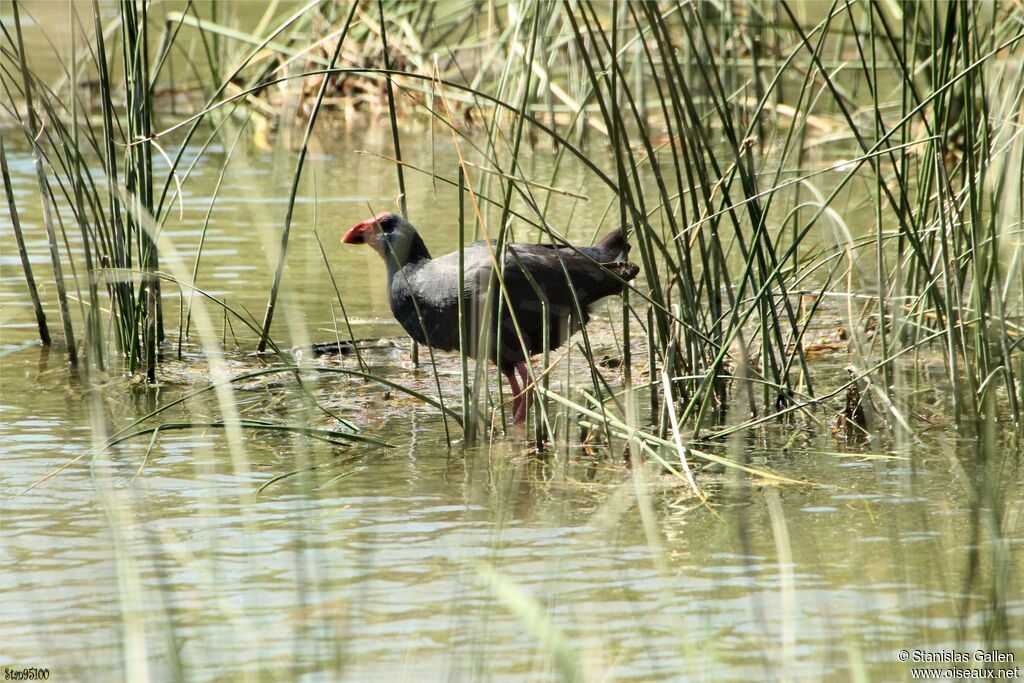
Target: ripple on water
[[383, 566]]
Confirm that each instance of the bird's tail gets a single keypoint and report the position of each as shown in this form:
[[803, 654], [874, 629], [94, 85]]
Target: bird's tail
[[614, 244]]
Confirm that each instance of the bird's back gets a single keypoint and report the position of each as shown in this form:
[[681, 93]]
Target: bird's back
[[561, 281]]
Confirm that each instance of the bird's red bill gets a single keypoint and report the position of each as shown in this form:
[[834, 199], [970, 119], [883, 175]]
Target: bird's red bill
[[357, 233], [354, 235]]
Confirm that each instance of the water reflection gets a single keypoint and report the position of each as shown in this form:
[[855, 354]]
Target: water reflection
[[167, 559]]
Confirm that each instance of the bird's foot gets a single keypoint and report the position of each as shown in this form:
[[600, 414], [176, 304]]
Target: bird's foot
[[519, 409]]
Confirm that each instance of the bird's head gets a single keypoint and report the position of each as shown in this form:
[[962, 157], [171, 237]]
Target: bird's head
[[391, 236]]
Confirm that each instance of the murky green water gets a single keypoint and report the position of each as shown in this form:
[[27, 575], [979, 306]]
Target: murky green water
[[377, 564]]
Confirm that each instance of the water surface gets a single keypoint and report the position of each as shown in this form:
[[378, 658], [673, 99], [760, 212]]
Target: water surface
[[378, 564]]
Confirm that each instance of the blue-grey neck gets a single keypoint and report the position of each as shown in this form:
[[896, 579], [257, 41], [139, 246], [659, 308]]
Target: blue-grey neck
[[403, 248]]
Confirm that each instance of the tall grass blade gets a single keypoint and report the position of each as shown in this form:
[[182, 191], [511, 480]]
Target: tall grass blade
[[32, 133], [26, 266]]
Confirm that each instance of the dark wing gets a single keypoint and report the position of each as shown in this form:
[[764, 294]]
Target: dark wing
[[611, 247], [556, 282], [562, 273]]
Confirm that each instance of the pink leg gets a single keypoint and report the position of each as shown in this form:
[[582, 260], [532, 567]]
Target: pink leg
[[524, 372], [520, 414], [518, 401]]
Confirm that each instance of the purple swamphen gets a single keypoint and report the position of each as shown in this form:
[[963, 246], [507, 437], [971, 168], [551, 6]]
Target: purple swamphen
[[424, 292]]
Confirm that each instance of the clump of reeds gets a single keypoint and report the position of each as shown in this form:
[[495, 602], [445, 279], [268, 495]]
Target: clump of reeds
[[717, 130]]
